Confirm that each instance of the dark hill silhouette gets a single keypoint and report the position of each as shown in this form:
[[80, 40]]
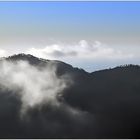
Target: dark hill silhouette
[[61, 66], [110, 100]]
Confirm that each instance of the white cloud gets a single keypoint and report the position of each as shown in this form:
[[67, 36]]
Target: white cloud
[[82, 54], [3, 53], [81, 50], [34, 85], [37, 86]]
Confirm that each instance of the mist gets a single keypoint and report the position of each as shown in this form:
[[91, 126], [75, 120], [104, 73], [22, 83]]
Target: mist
[[35, 85]]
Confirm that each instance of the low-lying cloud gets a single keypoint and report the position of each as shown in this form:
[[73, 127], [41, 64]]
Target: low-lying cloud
[[81, 50], [32, 100], [34, 85], [90, 56]]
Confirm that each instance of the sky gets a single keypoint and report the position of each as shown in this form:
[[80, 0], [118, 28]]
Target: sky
[[89, 35]]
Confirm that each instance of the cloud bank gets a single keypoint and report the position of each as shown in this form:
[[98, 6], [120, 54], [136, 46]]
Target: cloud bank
[[90, 56], [81, 50]]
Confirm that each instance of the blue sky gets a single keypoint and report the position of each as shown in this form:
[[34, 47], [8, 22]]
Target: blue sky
[[65, 20], [26, 25]]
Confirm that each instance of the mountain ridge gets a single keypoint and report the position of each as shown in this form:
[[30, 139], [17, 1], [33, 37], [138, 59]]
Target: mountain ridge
[[22, 56], [101, 104]]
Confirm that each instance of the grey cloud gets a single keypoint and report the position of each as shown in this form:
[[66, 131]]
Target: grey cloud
[[61, 54]]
